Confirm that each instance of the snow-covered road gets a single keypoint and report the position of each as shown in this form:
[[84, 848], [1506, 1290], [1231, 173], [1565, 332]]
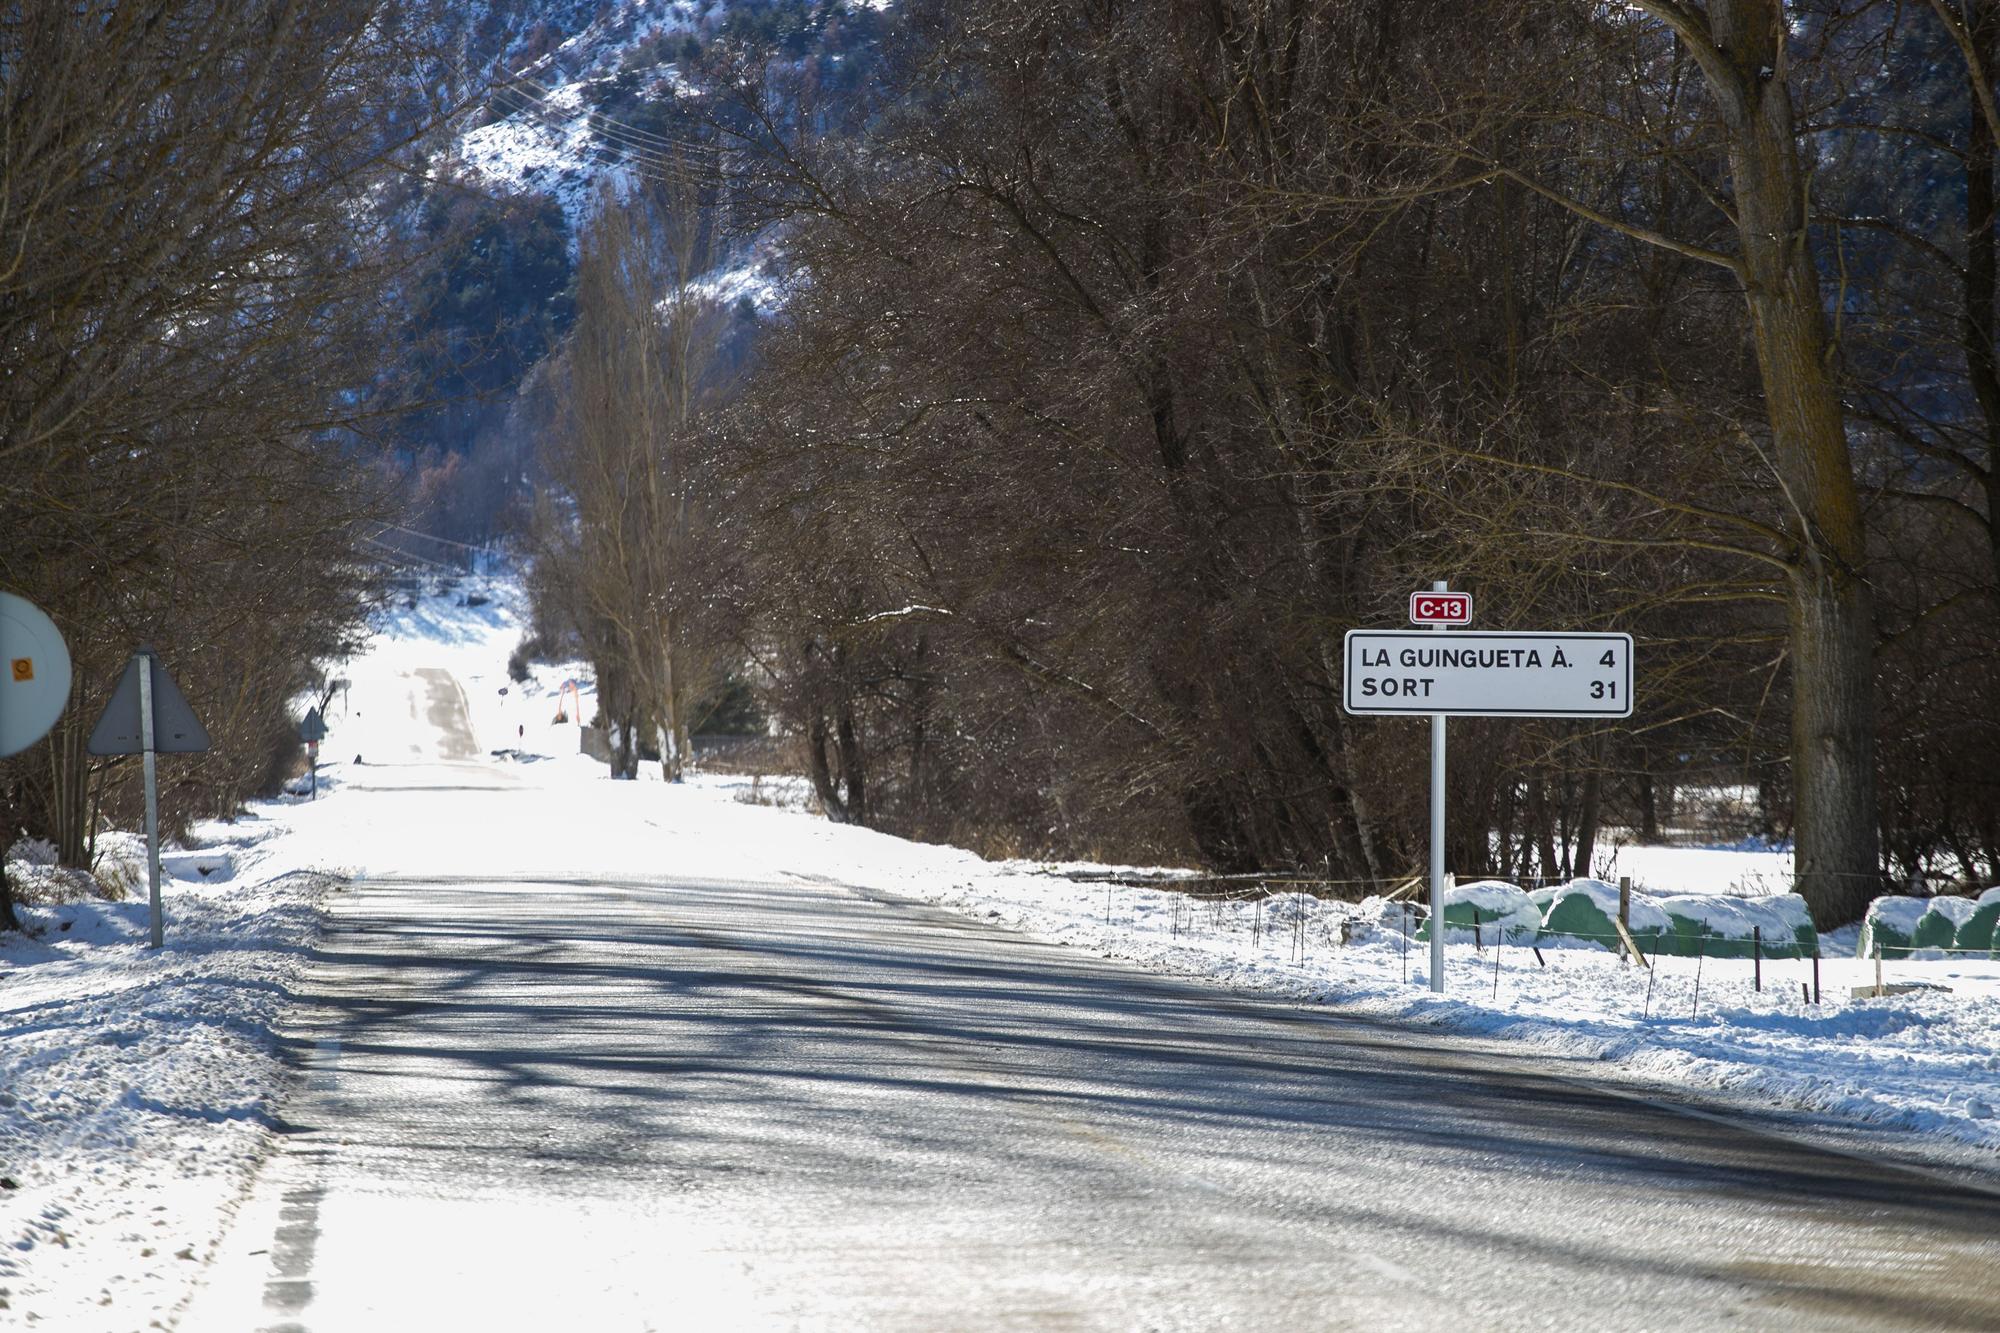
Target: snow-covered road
[[576, 1096], [586, 1054]]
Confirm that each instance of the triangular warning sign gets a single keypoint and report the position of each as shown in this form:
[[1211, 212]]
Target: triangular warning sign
[[313, 728], [176, 730]]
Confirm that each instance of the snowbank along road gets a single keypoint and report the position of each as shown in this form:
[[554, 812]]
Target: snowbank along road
[[632, 1063]]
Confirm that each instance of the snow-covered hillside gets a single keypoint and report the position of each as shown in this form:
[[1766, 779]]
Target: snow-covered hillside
[[588, 98], [539, 132]]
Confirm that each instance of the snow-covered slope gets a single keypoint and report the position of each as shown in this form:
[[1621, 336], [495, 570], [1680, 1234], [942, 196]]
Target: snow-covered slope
[[570, 87], [540, 134]]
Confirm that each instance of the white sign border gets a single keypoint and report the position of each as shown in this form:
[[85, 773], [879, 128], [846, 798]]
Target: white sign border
[[1431, 710]]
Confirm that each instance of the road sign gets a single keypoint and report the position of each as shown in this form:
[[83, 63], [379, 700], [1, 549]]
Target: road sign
[[312, 730], [147, 714], [34, 688], [1482, 673], [119, 728], [1440, 608]]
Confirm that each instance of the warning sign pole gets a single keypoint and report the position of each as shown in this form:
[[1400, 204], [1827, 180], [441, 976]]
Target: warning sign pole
[[312, 730], [146, 715], [152, 796]]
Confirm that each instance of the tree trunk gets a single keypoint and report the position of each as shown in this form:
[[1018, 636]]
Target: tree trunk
[[820, 769], [65, 801], [1832, 622], [8, 920], [1589, 808], [1346, 836], [1542, 826], [1767, 805], [1564, 866], [1649, 811], [1835, 822], [672, 742], [625, 758], [853, 778], [1982, 267], [920, 716]]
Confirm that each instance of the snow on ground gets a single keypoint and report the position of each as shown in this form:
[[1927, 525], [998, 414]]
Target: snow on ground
[[466, 628], [1924, 1061], [1751, 870], [753, 277], [137, 1088]]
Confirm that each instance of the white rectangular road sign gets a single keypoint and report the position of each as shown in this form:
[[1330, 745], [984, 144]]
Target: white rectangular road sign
[[1480, 673]]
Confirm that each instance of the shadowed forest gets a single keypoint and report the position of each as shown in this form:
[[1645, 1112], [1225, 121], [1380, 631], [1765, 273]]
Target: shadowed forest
[[1109, 361]]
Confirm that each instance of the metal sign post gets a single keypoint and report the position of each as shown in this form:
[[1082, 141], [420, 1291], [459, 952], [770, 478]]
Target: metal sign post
[[147, 714], [1437, 818], [152, 802], [312, 730]]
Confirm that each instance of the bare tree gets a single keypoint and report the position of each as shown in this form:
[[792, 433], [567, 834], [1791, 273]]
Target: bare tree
[[639, 378], [1144, 349], [195, 204]]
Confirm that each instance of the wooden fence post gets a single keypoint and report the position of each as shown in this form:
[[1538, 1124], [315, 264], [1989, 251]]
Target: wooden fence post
[[1624, 917]]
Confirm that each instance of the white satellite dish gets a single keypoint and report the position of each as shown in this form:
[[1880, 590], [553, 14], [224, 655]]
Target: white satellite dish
[[34, 674]]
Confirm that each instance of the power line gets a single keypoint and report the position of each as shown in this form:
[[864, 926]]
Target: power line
[[535, 98], [666, 168], [548, 93], [634, 131], [409, 557], [396, 554], [430, 537]]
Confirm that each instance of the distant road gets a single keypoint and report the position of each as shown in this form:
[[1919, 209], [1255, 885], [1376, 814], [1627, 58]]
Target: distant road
[[444, 709], [593, 1102]]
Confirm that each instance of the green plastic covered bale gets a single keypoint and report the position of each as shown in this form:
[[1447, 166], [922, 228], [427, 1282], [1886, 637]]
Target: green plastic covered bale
[[1788, 926], [1807, 942], [1493, 907], [1891, 925], [1938, 927], [1976, 932], [1722, 926], [1693, 936], [1683, 940], [1587, 910]]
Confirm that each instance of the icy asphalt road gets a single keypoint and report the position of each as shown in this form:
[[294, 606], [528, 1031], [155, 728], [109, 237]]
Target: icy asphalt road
[[587, 1101]]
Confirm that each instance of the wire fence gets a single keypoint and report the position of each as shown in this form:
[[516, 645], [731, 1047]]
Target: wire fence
[[1744, 884], [1315, 923]]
